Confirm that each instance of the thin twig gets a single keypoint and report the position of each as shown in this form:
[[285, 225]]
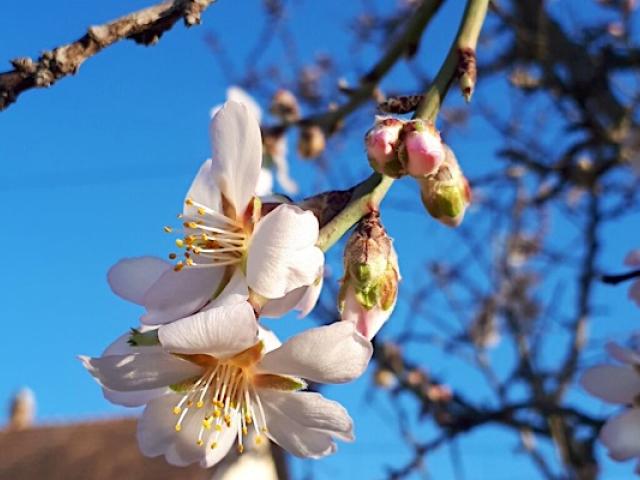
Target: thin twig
[[145, 26]]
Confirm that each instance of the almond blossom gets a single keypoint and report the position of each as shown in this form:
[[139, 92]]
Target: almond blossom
[[619, 384], [215, 378], [225, 236]]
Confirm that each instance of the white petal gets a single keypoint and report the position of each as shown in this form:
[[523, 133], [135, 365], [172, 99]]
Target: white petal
[[131, 278], [224, 443], [157, 435], [294, 437], [185, 450], [156, 426], [220, 332], [237, 153], [235, 292], [367, 322], [203, 190], [130, 399], [139, 371], [621, 435], [282, 255], [612, 383], [311, 296], [281, 306], [121, 346], [178, 294], [270, 339], [238, 95], [265, 183], [622, 354], [303, 299], [133, 399], [287, 184], [312, 410], [332, 354]]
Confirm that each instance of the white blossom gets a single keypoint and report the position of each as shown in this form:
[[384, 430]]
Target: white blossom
[[224, 236], [618, 384], [214, 378]]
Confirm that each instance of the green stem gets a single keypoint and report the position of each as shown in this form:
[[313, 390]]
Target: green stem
[[467, 37], [366, 198], [369, 194]]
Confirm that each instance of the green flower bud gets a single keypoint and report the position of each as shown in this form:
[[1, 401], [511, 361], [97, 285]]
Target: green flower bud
[[370, 286], [446, 193]]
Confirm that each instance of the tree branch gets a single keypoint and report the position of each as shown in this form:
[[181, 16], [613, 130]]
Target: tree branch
[[144, 26]]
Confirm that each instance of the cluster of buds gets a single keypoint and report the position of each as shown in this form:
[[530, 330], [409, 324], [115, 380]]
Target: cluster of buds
[[370, 285], [396, 147], [446, 193], [285, 107]]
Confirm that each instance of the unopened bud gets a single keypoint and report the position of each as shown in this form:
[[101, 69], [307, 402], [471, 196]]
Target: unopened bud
[[385, 378], [274, 145], [370, 286], [422, 151], [439, 393], [467, 71], [381, 142], [311, 142], [446, 194], [284, 105]]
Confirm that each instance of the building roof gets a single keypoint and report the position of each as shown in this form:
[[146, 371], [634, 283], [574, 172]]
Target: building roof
[[96, 450]]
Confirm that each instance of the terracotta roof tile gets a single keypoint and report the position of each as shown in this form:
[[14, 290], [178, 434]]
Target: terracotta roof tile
[[99, 450]]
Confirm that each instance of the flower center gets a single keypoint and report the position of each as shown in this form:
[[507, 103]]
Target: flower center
[[211, 239], [228, 396]]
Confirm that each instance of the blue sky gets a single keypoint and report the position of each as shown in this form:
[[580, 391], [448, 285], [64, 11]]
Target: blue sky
[[95, 166]]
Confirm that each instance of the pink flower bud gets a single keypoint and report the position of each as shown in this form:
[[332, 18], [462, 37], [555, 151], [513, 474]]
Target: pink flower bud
[[423, 150], [381, 143]]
